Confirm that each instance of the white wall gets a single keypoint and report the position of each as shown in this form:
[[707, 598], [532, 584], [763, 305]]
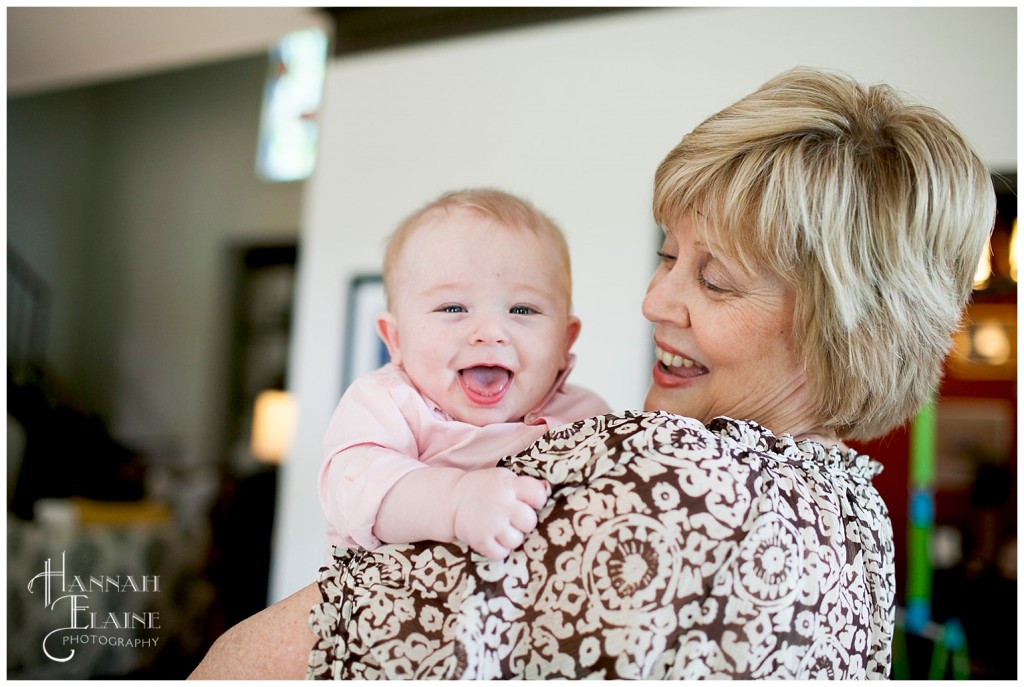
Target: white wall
[[575, 116]]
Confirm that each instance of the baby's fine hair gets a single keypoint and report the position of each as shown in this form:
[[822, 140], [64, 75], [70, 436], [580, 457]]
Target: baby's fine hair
[[507, 210], [873, 210]]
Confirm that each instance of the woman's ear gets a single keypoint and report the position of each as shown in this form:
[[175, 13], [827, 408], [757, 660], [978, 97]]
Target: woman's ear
[[387, 329]]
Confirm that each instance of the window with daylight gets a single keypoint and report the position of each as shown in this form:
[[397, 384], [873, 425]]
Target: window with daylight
[[291, 98]]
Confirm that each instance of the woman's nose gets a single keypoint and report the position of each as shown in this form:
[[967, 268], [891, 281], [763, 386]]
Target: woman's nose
[[665, 302]]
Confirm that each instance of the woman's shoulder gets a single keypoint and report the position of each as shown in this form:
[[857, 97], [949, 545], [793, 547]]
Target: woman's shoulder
[[588, 448], [807, 453]]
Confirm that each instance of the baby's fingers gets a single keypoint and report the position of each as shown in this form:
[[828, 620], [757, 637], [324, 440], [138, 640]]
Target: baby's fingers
[[510, 539], [493, 549], [533, 492], [523, 519]]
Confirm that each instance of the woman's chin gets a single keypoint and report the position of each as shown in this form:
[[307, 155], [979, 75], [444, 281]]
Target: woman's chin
[[661, 399]]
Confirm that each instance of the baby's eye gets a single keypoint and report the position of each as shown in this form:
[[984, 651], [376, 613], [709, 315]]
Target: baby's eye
[[521, 310], [452, 308]]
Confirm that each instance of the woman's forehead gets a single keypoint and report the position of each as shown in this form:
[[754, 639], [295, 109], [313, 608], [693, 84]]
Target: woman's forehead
[[731, 245]]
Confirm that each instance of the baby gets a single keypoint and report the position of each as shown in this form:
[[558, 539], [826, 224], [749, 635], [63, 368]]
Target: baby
[[479, 330]]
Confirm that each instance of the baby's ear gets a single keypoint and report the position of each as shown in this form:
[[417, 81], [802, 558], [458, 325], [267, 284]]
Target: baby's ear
[[572, 332], [387, 329]]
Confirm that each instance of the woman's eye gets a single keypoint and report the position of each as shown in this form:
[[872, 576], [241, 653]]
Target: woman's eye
[[666, 258], [521, 310], [451, 308], [709, 286]]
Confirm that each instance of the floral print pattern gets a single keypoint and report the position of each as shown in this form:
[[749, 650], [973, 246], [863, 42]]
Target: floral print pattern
[[668, 550]]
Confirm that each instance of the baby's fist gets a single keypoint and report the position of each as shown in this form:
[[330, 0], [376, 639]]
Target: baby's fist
[[495, 509]]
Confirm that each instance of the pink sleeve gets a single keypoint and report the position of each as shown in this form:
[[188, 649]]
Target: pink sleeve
[[367, 448]]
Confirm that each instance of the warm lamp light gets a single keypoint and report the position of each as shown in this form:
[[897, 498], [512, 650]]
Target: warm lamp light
[[1014, 251], [990, 342], [983, 272], [273, 425]]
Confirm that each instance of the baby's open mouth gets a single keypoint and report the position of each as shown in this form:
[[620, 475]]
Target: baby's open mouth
[[485, 384]]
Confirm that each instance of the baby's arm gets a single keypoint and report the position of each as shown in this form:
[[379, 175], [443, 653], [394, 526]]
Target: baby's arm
[[368, 447], [374, 488], [490, 510], [352, 485]]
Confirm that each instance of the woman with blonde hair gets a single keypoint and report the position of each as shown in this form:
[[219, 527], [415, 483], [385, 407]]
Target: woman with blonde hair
[[820, 238]]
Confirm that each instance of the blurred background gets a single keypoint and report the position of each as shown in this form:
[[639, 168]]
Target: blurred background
[[196, 205]]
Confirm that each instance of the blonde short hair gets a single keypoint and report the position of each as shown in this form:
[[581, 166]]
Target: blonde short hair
[[507, 210], [873, 210]]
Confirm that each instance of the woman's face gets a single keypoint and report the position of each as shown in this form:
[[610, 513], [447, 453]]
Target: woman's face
[[723, 339]]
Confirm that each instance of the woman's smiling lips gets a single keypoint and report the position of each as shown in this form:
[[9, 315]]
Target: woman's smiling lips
[[673, 369]]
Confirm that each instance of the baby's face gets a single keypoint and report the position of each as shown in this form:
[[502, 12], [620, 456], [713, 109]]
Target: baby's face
[[480, 317]]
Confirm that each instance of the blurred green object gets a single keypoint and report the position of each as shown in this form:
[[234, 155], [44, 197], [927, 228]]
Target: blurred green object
[[949, 643]]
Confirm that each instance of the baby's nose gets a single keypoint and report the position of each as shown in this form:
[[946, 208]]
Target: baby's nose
[[489, 330]]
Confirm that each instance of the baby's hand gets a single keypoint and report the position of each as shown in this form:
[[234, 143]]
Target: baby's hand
[[495, 509]]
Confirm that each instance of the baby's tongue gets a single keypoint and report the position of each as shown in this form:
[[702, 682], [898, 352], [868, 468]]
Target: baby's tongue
[[486, 380]]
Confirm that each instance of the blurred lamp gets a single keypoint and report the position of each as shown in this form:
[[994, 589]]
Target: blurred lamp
[[273, 425], [983, 272], [1014, 251], [990, 342]]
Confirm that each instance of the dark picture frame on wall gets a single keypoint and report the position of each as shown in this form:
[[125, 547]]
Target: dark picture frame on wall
[[364, 351]]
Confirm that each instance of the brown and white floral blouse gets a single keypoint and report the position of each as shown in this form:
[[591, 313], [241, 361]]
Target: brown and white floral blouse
[[668, 549]]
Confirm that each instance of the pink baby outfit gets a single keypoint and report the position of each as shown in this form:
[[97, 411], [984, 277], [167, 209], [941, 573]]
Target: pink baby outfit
[[383, 428]]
